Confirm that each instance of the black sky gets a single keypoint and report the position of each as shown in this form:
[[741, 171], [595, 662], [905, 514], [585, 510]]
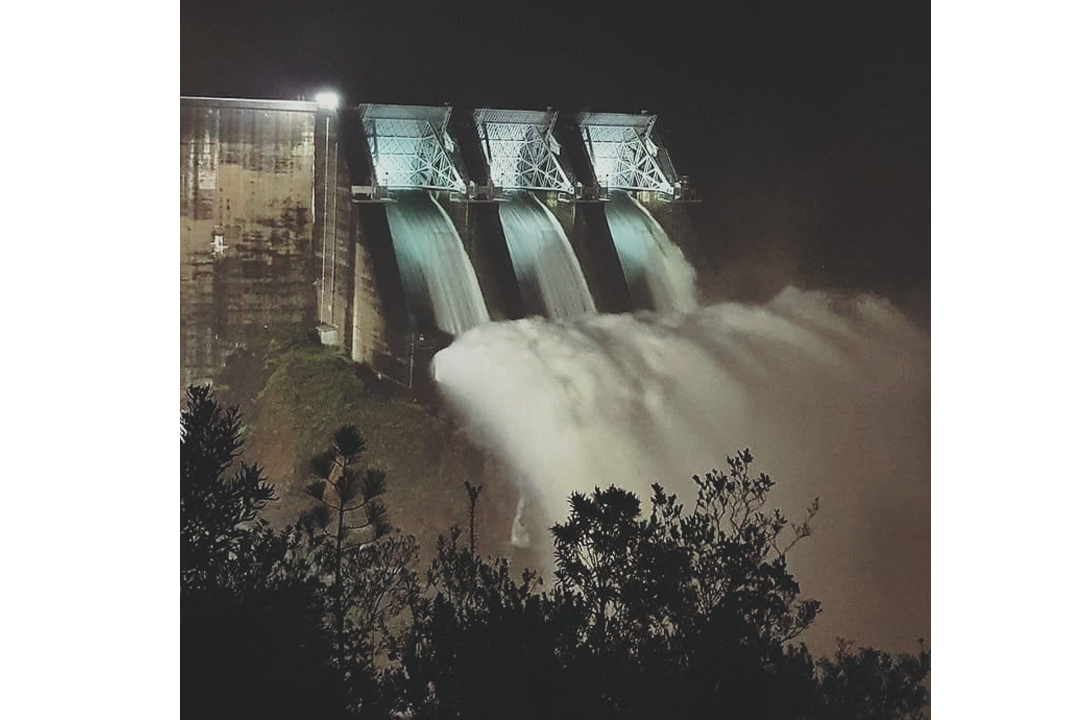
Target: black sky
[[806, 126]]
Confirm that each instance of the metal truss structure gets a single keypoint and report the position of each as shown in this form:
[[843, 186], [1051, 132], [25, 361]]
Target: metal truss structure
[[623, 153], [520, 149], [410, 147]]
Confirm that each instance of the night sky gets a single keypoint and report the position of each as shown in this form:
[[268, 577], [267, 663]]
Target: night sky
[[805, 127]]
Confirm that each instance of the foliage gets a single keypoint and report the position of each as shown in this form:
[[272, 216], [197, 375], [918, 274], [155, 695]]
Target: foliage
[[218, 515], [869, 684], [687, 610], [258, 654], [247, 629], [649, 617], [342, 490], [366, 571], [480, 643], [671, 614], [473, 492], [306, 393], [249, 368], [379, 584]]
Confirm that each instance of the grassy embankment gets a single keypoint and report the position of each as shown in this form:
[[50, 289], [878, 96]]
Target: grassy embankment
[[294, 395]]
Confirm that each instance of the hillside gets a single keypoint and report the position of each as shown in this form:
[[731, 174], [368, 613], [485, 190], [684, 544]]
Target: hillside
[[293, 396]]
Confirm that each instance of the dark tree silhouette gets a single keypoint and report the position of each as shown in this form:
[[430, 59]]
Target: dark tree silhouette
[[367, 570], [673, 614], [257, 654], [596, 549], [342, 491], [873, 685], [217, 514], [481, 643], [474, 495], [664, 615], [251, 644], [686, 611]]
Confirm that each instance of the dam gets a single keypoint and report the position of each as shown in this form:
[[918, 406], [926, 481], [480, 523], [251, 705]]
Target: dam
[[396, 233], [390, 229]]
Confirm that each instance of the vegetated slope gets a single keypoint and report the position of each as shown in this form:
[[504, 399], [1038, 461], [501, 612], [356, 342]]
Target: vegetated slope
[[294, 396]]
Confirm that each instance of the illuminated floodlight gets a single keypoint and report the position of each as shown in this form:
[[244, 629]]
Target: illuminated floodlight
[[327, 100]]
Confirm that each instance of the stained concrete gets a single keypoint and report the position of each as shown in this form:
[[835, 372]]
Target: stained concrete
[[246, 182]]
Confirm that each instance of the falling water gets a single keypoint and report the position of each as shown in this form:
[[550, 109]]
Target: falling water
[[830, 393], [543, 260], [657, 273], [434, 265]]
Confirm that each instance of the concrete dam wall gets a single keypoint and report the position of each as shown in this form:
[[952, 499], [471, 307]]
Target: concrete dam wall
[[390, 229], [246, 227]]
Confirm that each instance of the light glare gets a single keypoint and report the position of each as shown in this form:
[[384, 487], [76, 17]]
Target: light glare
[[327, 100]]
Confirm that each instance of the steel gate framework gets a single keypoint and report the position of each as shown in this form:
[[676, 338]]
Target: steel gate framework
[[623, 153], [520, 149], [410, 147]]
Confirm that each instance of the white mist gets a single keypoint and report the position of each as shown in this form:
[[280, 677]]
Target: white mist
[[831, 394]]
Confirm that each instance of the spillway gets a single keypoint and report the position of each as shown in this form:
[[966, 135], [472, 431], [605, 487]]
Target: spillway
[[656, 271], [435, 269], [548, 273]]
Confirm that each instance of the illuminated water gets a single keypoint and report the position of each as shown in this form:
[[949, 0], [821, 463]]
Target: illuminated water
[[831, 394], [547, 270], [434, 266], [657, 273]]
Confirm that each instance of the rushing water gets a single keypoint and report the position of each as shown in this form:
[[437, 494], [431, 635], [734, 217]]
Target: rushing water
[[830, 393], [547, 270], [657, 273], [434, 266]]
